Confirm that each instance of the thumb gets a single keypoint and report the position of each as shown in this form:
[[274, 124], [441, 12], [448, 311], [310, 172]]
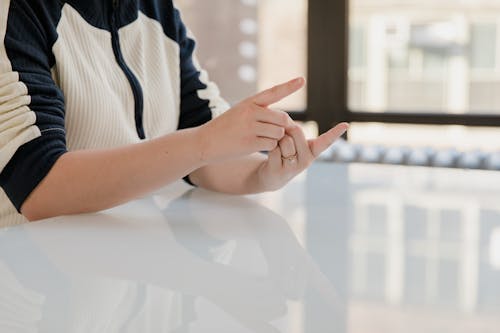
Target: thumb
[[277, 93], [321, 143]]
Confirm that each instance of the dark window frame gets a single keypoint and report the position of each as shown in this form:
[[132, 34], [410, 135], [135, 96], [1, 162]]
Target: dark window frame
[[327, 101]]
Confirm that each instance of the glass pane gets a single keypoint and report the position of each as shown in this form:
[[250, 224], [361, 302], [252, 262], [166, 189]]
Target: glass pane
[[425, 56], [249, 45]]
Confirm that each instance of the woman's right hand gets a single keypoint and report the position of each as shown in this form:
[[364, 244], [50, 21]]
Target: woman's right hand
[[248, 127]]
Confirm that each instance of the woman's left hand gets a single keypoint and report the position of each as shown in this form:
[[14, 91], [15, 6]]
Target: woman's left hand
[[294, 154]]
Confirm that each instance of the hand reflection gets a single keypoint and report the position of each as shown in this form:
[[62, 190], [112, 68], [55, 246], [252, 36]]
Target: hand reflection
[[202, 248], [222, 221]]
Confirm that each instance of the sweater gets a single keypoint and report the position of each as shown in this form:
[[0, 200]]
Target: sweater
[[87, 74]]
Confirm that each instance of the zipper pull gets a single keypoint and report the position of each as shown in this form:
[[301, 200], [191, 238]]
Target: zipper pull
[[115, 4]]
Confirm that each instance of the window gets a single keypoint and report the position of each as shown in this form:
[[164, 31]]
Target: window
[[375, 63], [394, 67], [483, 46], [424, 56]]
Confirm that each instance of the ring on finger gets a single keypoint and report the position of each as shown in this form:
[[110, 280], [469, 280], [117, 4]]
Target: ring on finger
[[289, 158]]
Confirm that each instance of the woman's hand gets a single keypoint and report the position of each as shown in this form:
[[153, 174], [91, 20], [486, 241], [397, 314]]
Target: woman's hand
[[294, 154], [248, 127], [229, 143]]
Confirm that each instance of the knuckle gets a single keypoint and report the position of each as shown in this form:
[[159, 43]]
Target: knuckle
[[271, 144], [288, 140], [295, 129], [284, 117], [274, 90]]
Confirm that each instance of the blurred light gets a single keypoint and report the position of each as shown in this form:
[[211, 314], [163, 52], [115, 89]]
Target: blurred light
[[248, 49], [249, 2], [471, 160], [247, 73], [446, 158], [248, 26], [394, 155], [371, 154], [446, 32], [421, 156], [493, 162]]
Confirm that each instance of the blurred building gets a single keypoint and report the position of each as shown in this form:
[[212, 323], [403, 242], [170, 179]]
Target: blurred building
[[425, 56], [424, 258]]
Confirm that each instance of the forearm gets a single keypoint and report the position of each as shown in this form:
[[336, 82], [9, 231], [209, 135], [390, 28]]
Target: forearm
[[88, 181], [238, 176]]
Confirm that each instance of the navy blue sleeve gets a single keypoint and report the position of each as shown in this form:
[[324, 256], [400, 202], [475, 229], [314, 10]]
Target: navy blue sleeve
[[194, 110], [200, 98], [32, 132]]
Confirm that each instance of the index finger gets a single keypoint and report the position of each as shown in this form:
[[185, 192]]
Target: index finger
[[277, 93]]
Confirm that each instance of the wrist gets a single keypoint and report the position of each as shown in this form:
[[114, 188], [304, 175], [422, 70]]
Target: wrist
[[252, 176], [202, 146], [206, 148], [260, 180]]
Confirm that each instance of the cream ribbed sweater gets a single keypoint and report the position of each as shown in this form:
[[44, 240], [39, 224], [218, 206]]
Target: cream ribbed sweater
[[90, 74]]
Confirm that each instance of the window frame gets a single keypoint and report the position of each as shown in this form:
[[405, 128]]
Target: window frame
[[327, 90]]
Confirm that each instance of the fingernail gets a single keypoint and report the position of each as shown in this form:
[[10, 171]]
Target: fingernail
[[298, 80]]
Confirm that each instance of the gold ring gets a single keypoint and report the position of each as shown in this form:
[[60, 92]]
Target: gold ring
[[289, 158]]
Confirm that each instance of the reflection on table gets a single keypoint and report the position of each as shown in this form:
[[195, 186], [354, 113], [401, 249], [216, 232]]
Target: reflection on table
[[343, 248]]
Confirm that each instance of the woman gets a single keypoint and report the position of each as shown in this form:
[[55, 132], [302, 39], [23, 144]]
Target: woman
[[103, 101]]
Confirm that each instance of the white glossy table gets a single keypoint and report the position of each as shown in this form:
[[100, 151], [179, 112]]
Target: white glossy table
[[359, 248]]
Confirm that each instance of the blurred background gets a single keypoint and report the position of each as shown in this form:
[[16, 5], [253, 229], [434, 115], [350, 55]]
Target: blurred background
[[419, 57], [249, 45], [420, 82]]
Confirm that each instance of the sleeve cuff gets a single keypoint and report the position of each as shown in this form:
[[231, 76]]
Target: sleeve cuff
[[188, 180], [29, 166]]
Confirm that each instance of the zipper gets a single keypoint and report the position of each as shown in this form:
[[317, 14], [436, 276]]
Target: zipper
[[132, 79]]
